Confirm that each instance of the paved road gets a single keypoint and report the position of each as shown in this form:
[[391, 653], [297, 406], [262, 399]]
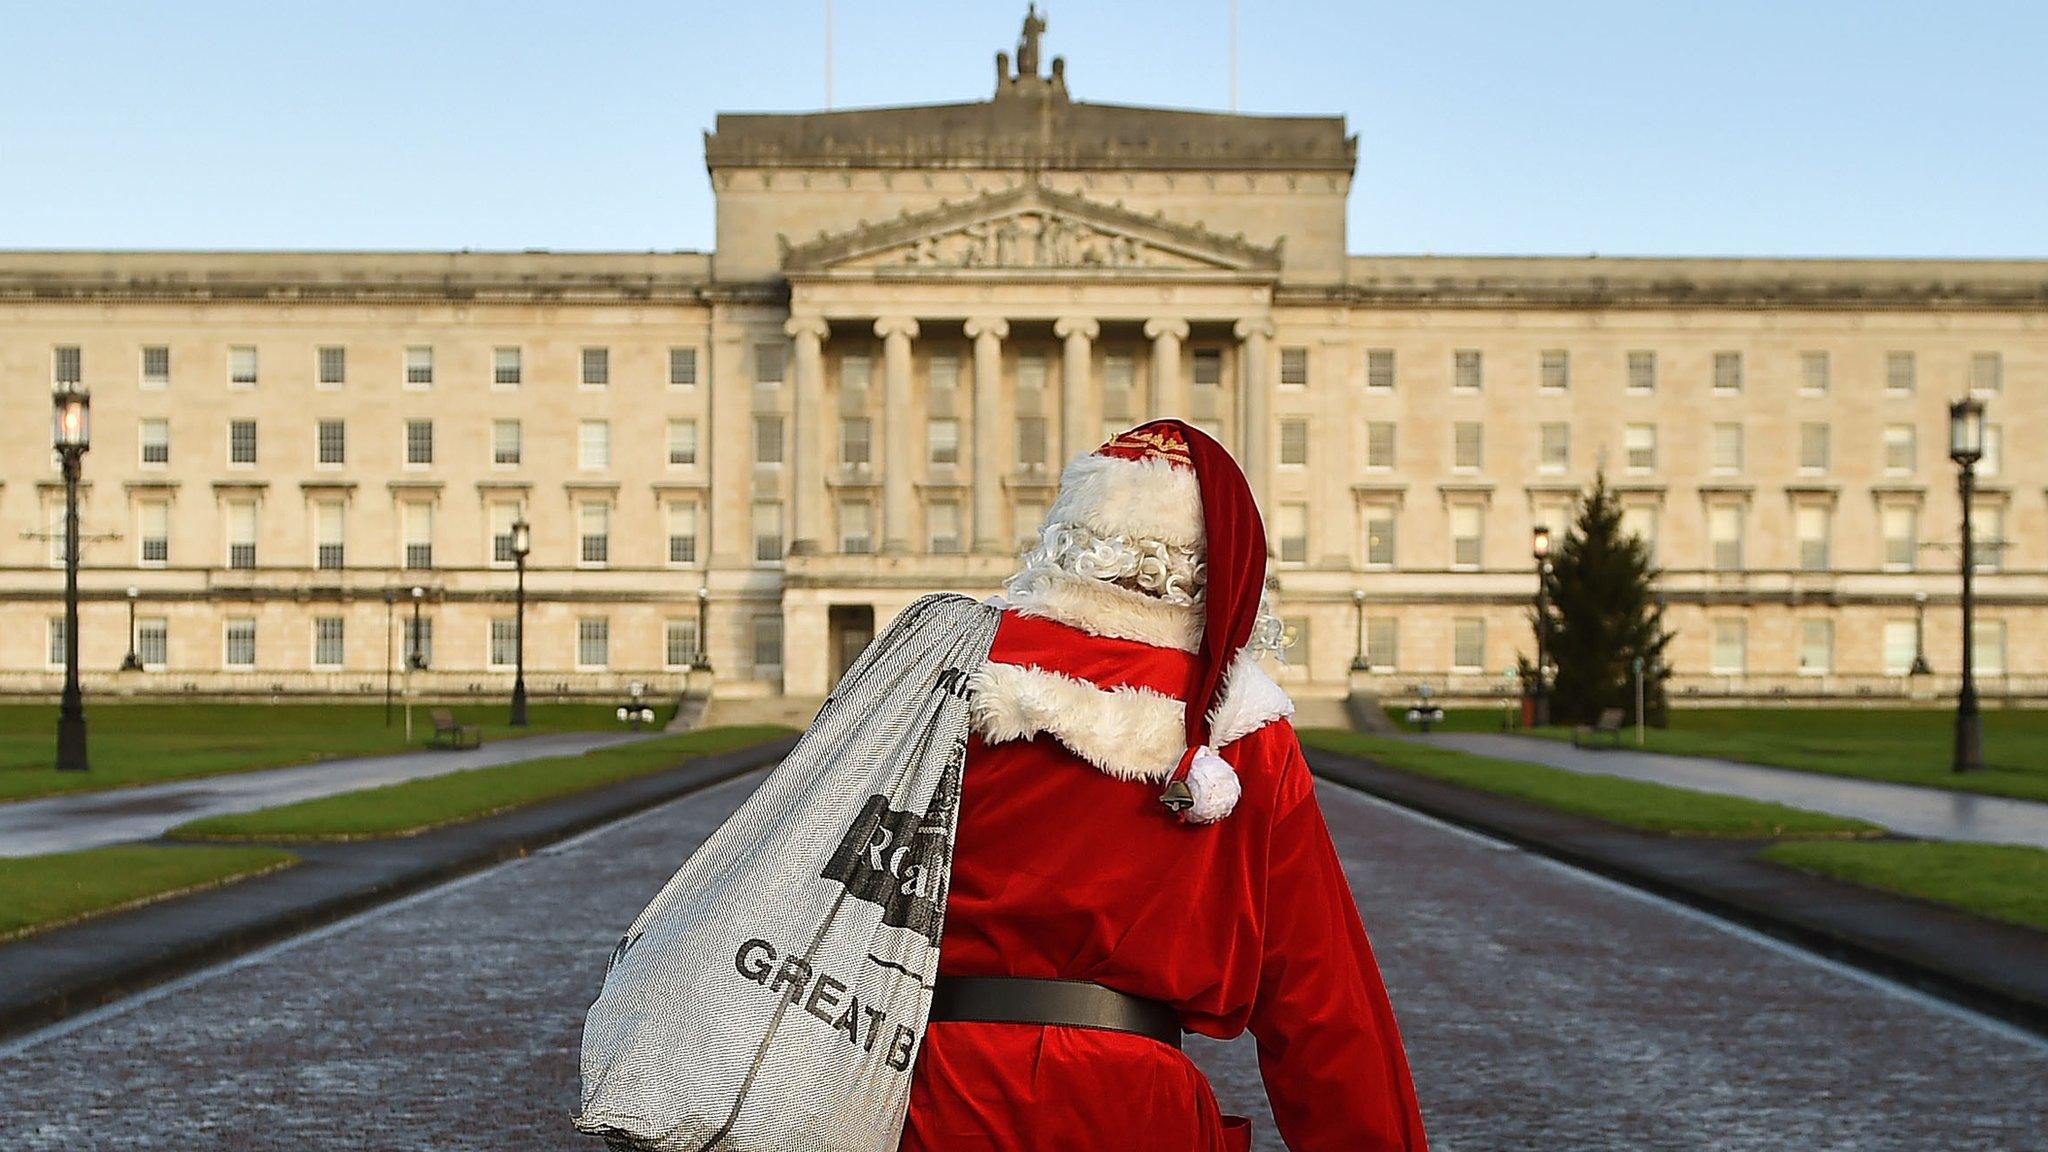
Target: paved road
[[1926, 812], [80, 820], [1544, 1010]]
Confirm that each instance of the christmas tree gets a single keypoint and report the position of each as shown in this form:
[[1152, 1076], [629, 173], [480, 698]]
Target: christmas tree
[[1602, 615]]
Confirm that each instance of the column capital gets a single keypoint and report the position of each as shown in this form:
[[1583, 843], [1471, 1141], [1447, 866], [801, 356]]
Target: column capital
[[807, 325], [888, 326], [1252, 326], [1172, 326], [979, 326], [1068, 327]]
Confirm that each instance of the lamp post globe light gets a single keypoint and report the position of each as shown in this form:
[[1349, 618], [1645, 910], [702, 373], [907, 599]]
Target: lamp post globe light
[[132, 662], [1358, 661], [1966, 447], [522, 543], [1539, 547], [71, 436], [416, 656]]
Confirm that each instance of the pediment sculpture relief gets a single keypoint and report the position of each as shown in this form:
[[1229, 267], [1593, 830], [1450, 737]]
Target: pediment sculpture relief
[[1034, 239]]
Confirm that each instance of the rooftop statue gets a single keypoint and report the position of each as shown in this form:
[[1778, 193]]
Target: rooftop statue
[[1027, 43]]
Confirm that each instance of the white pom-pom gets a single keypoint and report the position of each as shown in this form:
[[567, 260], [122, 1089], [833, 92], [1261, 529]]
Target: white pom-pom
[[1215, 787]]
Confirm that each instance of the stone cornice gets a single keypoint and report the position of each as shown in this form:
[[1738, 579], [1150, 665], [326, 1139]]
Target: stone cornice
[[305, 277]]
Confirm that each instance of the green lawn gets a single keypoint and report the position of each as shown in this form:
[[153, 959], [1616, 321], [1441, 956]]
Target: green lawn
[[149, 743], [2000, 881], [39, 892], [1630, 803], [417, 805]]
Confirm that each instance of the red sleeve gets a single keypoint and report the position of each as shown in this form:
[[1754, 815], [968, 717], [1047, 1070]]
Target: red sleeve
[[1329, 1050]]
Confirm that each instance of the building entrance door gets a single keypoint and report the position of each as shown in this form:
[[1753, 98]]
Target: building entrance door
[[851, 628]]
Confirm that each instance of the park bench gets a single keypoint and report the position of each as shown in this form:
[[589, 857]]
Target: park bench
[[1607, 724], [450, 734]]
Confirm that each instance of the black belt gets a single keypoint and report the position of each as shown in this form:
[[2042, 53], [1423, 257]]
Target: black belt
[[1075, 1003]]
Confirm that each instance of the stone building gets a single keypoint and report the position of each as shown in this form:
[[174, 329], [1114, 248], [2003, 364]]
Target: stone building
[[911, 318]]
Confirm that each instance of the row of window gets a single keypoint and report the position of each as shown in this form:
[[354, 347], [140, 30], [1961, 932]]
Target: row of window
[[331, 366], [330, 443], [1641, 371], [329, 642]]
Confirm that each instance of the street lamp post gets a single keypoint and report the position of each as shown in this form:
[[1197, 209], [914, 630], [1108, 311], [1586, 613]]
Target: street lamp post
[[415, 654], [1539, 547], [704, 628], [522, 543], [390, 606], [1966, 447], [132, 662], [71, 435], [1358, 661]]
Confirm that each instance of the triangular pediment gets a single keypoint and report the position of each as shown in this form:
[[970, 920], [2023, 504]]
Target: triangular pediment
[[1030, 229]]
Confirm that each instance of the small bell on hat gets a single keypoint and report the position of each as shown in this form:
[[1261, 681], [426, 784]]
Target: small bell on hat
[[1203, 787]]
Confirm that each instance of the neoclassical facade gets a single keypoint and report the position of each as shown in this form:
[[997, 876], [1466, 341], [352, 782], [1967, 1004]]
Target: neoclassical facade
[[911, 318]]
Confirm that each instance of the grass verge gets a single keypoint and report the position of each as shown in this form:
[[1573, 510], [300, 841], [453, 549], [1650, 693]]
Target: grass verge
[[41, 892], [150, 743], [2000, 881], [417, 805], [1629, 803]]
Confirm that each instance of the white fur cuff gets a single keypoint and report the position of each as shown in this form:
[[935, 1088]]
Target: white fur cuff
[[1215, 787]]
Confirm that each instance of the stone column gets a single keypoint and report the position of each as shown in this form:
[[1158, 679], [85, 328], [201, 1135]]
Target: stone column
[[988, 333], [900, 440], [1169, 394], [1080, 425], [807, 458], [1255, 351]]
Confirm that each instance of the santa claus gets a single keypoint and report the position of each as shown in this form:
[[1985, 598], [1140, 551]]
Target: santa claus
[[1140, 851]]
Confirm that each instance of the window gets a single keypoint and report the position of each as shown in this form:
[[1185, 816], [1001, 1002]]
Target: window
[[418, 638], [596, 367], [153, 533], [680, 644], [1119, 370], [156, 366], [1555, 370], [1640, 441], [329, 551], [418, 526], [1987, 372], [682, 443], [1031, 371], [1379, 369], [1899, 372], [1727, 371], [504, 641], [593, 641], [1031, 443], [856, 442], [767, 531], [242, 366], [1379, 536], [1727, 447], [768, 362], [1467, 526], [942, 372], [505, 443], [1554, 449], [766, 636], [1294, 533], [682, 369], [1814, 373], [682, 533], [856, 527], [1899, 449], [1987, 531], [1294, 443], [1810, 525], [55, 652], [419, 443], [1379, 445], [1901, 640], [594, 533], [1987, 649], [1468, 644], [1383, 643], [1027, 518], [942, 527], [241, 442], [942, 441], [768, 440], [854, 372], [508, 367], [1813, 448], [153, 641], [1816, 647], [154, 435], [241, 533], [1467, 446], [330, 443], [1724, 533], [1294, 367], [1729, 648], [238, 642], [328, 641], [1467, 370], [504, 514], [419, 366], [1640, 521], [67, 366], [1994, 451], [1901, 529], [1208, 368], [1642, 371], [594, 445]]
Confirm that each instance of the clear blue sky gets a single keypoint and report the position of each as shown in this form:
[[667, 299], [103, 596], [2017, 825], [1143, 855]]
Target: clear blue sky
[[1715, 127]]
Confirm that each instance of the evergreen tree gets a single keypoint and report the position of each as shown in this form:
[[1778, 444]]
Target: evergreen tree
[[1603, 614]]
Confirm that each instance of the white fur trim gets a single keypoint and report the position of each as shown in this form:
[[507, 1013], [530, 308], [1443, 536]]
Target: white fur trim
[[1100, 608], [1247, 701], [1214, 785], [1119, 497]]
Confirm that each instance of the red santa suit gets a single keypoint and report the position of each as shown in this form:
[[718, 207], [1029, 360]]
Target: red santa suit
[[1068, 866]]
